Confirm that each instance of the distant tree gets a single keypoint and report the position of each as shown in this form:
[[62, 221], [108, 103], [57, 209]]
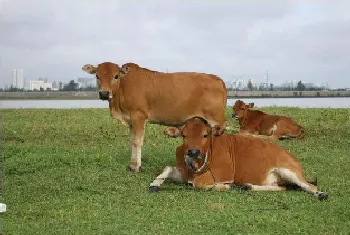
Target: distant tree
[[48, 89], [41, 89], [71, 86], [271, 87], [300, 86], [250, 85]]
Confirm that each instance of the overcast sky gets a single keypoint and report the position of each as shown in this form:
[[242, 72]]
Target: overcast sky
[[299, 40]]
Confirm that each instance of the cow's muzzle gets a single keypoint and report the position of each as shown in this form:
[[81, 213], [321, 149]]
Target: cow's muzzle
[[104, 95], [234, 116], [193, 152], [192, 162], [193, 155]]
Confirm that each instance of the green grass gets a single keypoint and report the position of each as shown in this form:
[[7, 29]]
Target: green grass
[[64, 172]]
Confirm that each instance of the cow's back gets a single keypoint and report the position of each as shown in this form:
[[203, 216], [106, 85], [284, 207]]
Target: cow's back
[[251, 158], [170, 98]]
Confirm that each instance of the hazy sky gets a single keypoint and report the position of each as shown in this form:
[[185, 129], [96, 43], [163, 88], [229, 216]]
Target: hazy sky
[[299, 40]]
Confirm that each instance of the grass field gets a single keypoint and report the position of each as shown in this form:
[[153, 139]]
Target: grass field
[[64, 172]]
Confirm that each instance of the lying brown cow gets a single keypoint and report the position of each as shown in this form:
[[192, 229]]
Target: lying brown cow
[[255, 122], [210, 159], [138, 94]]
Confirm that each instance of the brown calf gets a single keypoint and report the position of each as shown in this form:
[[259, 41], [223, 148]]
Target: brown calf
[[255, 122], [137, 94], [209, 159]]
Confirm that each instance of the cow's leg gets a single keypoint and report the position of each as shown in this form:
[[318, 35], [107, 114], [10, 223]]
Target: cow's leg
[[291, 177], [169, 172], [271, 183], [254, 187], [137, 131], [216, 186]]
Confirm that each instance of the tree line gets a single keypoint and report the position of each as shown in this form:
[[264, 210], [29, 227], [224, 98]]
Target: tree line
[[300, 87], [71, 86]]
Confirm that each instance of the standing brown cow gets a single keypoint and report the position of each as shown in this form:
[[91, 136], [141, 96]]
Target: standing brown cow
[[137, 94], [260, 124], [210, 159]]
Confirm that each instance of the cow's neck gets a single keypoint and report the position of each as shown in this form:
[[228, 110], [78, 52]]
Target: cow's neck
[[244, 121], [206, 160], [114, 104]]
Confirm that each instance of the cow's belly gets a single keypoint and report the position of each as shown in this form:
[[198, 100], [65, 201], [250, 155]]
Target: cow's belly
[[251, 176], [172, 118]]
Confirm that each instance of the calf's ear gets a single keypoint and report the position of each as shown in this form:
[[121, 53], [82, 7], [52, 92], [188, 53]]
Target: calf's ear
[[124, 70], [217, 130], [172, 132], [89, 68]]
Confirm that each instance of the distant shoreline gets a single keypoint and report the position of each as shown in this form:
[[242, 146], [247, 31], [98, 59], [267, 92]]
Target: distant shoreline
[[228, 97], [93, 95]]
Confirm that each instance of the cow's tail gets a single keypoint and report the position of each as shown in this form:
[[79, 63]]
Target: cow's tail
[[302, 133]]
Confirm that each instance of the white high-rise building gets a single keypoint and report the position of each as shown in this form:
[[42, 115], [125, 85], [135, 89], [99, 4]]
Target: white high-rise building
[[17, 79]]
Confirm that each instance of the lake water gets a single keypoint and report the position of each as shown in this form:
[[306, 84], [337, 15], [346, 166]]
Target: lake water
[[338, 102]]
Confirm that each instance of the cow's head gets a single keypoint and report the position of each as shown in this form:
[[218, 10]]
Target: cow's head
[[240, 109], [197, 136], [106, 73]]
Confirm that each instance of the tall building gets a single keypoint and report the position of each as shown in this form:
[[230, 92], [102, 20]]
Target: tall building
[[40, 85], [17, 79]]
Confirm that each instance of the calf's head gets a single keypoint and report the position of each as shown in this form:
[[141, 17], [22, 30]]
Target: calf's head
[[106, 73], [240, 109], [197, 135]]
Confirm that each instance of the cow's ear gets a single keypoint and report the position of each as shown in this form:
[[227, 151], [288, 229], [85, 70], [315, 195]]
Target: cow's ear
[[217, 130], [124, 70], [89, 68], [251, 105], [172, 131]]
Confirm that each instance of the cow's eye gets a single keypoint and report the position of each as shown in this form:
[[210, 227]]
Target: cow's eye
[[205, 136], [115, 77]]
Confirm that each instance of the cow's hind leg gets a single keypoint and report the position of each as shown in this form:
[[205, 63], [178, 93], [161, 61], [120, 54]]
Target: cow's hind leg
[[291, 177], [254, 187], [269, 184], [169, 172]]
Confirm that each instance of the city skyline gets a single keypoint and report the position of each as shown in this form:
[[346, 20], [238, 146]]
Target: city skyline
[[300, 40], [237, 82]]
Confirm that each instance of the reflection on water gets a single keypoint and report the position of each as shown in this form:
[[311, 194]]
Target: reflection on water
[[338, 102]]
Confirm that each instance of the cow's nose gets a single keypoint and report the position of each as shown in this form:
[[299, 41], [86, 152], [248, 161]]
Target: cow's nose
[[104, 95], [192, 152], [233, 115]]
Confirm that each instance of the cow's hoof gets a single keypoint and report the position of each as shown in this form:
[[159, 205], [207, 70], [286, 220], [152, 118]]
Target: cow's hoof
[[134, 169], [245, 187], [322, 196], [153, 189]]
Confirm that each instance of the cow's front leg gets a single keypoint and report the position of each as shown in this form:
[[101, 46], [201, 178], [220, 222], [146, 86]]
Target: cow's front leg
[[217, 187], [137, 131], [169, 172]]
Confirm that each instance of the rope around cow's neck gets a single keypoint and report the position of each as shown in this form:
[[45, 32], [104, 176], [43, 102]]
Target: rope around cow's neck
[[204, 163]]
